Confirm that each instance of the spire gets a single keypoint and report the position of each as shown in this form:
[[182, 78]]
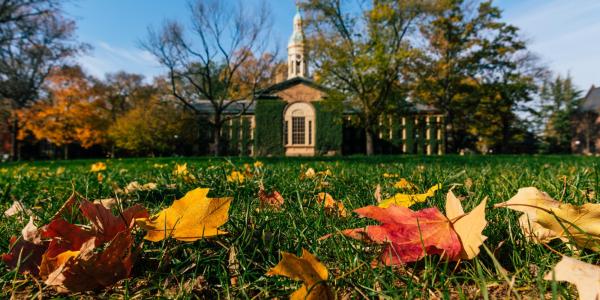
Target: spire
[[297, 66]]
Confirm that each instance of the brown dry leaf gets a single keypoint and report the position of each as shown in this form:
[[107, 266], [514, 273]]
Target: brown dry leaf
[[548, 219], [377, 193], [108, 203], [17, 208], [586, 277], [307, 269], [190, 218], [90, 268], [331, 206], [233, 267], [273, 200], [26, 251]]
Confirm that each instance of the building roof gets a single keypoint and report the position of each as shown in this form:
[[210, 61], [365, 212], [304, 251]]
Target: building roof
[[271, 91], [206, 107], [591, 102]]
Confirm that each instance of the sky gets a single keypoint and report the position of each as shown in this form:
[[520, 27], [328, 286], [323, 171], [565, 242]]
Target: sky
[[565, 34]]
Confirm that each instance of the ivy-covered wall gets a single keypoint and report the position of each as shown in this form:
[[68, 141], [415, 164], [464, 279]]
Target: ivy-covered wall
[[328, 129], [268, 131]]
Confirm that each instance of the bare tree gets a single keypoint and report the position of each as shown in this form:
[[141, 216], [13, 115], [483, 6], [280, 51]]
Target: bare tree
[[34, 38], [223, 59]]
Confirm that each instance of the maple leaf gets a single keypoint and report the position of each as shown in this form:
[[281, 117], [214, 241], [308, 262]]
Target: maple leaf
[[407, 200], [90, 269], [273, 199], [586, 277], [307, 269], [331, 206], [97, 167], [388, 175], [180, 170], [546, 219], [410, 235], [188, 219], [26, 252]]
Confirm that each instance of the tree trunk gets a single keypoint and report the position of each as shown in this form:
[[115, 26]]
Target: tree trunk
[[14, 147], [369, 142], [66, 151], [217, 140]]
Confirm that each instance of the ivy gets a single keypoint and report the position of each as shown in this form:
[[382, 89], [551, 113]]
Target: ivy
[[329, 128], [268, 133]]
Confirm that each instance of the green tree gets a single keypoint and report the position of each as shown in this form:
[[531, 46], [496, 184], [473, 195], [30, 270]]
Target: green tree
[[559, 102], [358, 50], [474, 68]]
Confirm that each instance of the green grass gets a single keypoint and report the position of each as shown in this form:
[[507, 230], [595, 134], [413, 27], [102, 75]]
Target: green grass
[[200, 269]]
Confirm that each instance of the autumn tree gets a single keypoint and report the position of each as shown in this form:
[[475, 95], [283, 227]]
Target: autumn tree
[[221, 59], [34, 37], [71, 112], [358, 51], [476, 69]]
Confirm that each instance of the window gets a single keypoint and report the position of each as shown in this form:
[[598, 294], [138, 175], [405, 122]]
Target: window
[[285, 133], [309, 132], [298, 131]]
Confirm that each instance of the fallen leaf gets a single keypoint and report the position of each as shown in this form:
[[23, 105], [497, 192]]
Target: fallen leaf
[[377, 194], [26, 252], [586, 277], [108, 203], [91, 269], [236, 177], [180, 170], [388, 175], [97, 167], [100, 177], [404, 184], [467, 226], [410, 235], [188, 219], [548, 219], [258, 164], [17, 208], [407, 200], [135, 186], [273, 200], [307, 269], [331, 206]]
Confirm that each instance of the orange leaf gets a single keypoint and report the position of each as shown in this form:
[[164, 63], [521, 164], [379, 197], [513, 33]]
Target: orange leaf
[[331, 206], [273, 199]]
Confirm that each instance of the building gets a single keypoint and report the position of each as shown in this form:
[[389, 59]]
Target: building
[[289, 119], [586, 124]]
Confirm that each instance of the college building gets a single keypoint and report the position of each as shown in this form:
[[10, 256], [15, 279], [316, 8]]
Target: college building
[[289, 118]]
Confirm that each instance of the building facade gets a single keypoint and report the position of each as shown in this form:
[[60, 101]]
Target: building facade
[[586, 124], [290, 118]]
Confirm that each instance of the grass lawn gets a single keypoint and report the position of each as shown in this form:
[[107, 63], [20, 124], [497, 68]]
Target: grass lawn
[[509, 267]]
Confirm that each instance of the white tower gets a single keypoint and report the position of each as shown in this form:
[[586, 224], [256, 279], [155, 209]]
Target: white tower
[[297, 66]]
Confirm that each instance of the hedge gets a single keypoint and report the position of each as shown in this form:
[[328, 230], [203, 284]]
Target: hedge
[[329, 128], [268, 132]]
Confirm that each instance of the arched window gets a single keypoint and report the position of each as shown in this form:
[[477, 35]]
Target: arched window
[[298, 125]]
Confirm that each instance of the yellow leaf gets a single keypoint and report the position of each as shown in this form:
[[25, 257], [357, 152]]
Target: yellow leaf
[[586, 277], [331, 206], [548, 219], [388, 175], [404, 184], [258, 164], [236, 177], [97, 167], [407, 200], [180, 170], [307, 269], [190, 218], [468, 227]]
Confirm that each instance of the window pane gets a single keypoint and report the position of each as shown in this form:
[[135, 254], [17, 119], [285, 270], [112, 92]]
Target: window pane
[[298, 131]]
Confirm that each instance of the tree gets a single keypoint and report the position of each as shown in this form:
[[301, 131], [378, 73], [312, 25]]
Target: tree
[[34, 37], [71, 113], [560, 101], [209, 66], [358, 50], [155, 128], [473, 68]]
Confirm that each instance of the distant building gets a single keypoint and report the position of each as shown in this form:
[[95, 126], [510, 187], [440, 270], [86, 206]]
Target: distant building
[[586, 124], [289, 119]]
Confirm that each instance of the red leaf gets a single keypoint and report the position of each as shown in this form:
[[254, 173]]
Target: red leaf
[[25, 254], [105, 225], [408, 235]]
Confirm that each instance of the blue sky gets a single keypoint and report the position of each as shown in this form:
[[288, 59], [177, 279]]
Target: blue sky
[[564, 33]]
